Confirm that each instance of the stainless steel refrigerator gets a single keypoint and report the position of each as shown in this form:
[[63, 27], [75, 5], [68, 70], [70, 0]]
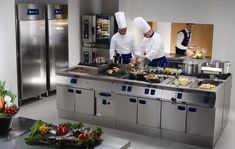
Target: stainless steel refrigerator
[[31, 53], [57, 37]]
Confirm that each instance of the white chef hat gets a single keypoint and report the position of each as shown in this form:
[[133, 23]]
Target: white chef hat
[[121, 20], [142, 24]]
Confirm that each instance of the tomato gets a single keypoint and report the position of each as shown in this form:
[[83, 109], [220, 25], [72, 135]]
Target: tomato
[[82, 136], [64, 130], [7, 108], [60, 130]]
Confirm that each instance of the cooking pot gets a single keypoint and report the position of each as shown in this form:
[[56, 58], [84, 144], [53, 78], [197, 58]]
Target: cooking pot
[[226, 65], [214, 63], [191, 68]]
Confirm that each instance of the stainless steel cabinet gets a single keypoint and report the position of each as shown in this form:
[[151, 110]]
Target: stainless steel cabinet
[[31, 53], [84, 101], [65, 98], [57, 26], [126, 108], [149, 112], [200, 121], [173, 116], [105, 104]]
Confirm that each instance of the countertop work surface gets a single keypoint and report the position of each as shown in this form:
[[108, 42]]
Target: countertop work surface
[[14, 139]]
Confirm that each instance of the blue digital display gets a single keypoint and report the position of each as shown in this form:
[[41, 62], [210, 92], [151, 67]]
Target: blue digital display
[[179, 95], [33, 12], [58, 11]]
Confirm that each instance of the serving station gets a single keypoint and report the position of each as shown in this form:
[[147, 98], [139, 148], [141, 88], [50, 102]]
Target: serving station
[[167, 103]]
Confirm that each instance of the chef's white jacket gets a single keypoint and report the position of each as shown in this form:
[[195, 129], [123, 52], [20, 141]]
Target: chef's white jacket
[[123, 44], [180, 38], [153, 47]]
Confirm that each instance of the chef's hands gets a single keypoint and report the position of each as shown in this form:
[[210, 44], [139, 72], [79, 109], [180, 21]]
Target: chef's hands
[[139, 60]]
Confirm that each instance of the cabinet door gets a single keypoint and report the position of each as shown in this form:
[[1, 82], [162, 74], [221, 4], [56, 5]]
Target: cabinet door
[[126, 108], [173, 116], [200, 121], [65, 98], [84, 101], [149, 112], [105, 104]]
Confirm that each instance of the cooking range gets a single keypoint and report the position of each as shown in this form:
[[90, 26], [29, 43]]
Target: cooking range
[[154, 101]]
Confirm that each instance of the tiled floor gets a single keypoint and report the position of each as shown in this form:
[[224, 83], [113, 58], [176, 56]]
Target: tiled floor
[[45, 109]]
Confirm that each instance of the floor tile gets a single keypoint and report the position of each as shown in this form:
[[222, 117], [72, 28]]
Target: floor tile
[[157, 143]]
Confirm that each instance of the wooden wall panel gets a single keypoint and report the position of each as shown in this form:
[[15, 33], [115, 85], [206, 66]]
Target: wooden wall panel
[[202, 35]]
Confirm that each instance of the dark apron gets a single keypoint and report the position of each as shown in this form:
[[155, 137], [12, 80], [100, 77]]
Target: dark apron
[[180, 51], [159, 62], [125, 58]]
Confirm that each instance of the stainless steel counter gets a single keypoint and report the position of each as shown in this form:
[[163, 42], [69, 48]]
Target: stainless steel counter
[[182, 113], [20, 129]]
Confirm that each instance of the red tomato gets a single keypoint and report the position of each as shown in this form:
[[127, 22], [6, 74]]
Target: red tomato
[[64, 130], [83, 136], [58, 130], [7, 108]]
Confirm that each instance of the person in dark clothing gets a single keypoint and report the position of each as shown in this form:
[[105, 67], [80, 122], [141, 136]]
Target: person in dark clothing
[[183, 39]]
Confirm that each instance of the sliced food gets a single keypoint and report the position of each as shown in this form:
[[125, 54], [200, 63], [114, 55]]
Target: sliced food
[[207, 86]]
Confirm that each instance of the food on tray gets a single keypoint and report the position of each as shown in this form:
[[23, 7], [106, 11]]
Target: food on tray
[[207, 86], [151, 76], [137, 72], [72, 135], [110, 71], [131, 64], [171, 71], [115, 69], [184, 81]]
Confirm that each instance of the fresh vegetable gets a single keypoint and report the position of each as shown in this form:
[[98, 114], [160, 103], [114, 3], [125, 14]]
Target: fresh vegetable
[[60, 130], [82, 136], [199, 56], [71, 134], [1, 103], [72, 125], [7, 105], [43, 129]]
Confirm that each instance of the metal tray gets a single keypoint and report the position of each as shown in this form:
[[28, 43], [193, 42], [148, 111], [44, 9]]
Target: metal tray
[[213, 82]]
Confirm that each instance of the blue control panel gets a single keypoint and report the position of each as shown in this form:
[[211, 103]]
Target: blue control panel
[[58, 11], [206, 99], [152, 92], [126, 88], [129, 88], [146, 91], [73, 81], [123, 88], [33, 12], [179, 96]]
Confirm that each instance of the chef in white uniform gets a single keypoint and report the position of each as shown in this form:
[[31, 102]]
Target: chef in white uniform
[[122, 43], [152, 48]]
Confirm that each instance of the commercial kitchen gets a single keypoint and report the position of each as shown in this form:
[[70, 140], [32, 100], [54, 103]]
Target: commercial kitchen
[[58, 64]]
